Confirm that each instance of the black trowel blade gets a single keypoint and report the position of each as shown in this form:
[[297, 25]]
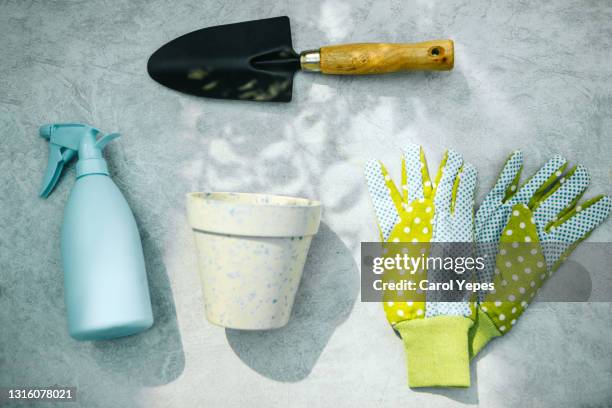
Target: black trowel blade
[[253, 60]]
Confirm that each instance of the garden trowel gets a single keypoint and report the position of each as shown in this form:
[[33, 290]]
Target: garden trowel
[[255, 60]]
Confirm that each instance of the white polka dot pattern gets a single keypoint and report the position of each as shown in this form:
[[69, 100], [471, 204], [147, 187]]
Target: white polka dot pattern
[[410, 216], [544, 223], [452, 228], [561, 238], [381, 199], [413, 224], [542, 216], [444, 191], [538, 181], [558, 201], [493, 215], [412, 167], [510, 171]]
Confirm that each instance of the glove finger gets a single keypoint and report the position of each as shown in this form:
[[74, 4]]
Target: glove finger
[[459, 183], [507, 182], [381, 190], [568, 232], [447, 175], [464, 201], [535, 187], [564, 195], [415, 178]]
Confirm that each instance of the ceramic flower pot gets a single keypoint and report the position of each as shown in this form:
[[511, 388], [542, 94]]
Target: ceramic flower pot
[[251, 254]]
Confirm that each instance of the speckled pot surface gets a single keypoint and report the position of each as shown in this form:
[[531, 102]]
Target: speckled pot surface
[[251, 253]]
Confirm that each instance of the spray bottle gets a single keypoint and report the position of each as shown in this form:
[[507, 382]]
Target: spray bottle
[[105, 282]]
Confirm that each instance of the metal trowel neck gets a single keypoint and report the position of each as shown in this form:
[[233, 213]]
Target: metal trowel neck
[[285, 60]]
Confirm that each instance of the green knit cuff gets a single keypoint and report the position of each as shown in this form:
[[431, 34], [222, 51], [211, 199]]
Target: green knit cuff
[[484, 331], [437, 351]]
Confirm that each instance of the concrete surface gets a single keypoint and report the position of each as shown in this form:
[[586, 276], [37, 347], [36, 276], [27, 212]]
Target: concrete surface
[[528, 75]]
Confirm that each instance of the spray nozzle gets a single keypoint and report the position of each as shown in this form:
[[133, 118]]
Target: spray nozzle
[[65, 141]]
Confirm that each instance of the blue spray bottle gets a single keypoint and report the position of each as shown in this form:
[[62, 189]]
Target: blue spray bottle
[[105, 282]]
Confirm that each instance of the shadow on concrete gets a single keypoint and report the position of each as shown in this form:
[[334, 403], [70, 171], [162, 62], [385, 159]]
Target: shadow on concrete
[[325, 298]]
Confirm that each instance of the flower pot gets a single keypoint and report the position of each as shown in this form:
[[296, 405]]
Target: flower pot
[[251, 254]]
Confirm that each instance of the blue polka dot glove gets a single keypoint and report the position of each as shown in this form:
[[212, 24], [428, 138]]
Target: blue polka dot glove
[[524, 234], [435, 333]]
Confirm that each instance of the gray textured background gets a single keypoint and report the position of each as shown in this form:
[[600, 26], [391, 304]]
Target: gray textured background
[[527, 75]]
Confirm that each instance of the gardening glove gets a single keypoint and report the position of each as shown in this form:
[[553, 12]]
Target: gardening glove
[[524, 234], [436, 344]]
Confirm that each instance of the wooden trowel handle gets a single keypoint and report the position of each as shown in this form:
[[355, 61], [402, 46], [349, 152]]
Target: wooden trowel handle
[[380, 58]]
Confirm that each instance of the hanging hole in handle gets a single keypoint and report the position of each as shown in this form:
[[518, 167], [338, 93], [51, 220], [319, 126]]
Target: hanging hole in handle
[[436, 51]]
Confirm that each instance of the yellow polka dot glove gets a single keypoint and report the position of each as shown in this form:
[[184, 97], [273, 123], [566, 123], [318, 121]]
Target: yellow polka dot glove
[[435, 334], [525, 234]]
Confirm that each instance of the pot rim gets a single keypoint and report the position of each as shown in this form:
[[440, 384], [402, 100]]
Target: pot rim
[[249, 199], [253, 214]]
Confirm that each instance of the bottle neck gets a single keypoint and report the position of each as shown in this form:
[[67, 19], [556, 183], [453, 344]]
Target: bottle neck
[[91, 166]]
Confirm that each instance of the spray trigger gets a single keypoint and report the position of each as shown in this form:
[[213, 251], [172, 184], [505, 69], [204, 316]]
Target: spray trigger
[[58, 156], [66, 140]]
